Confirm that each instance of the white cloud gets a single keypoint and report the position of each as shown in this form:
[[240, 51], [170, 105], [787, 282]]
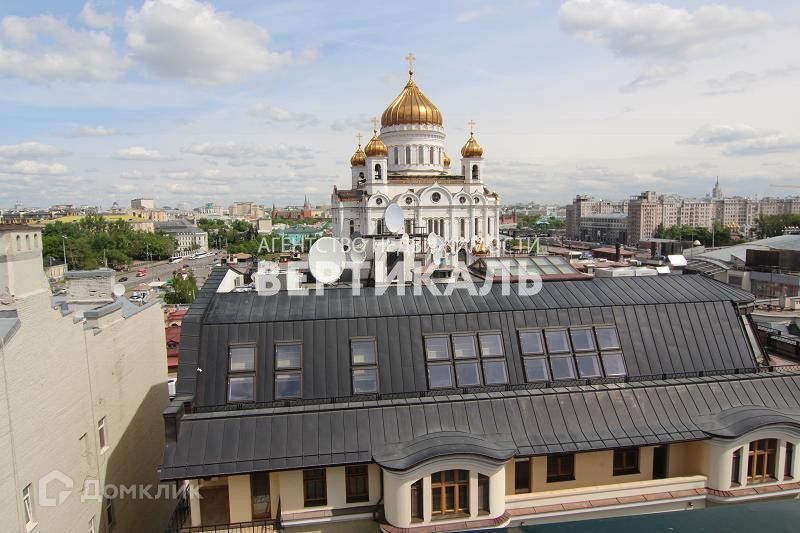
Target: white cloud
[[44, 49], [272, 113], [237, 151], [193, 41], [92, 131], [30, 150], [663, 37], [743, 140], [92, 18], [474, 14], [355, 123], [32, 168], [140, 153], [741, 81]]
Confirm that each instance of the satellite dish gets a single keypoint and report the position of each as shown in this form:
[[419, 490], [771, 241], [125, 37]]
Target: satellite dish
[[393, 218], [326, 259], [118, 290], [357, 256]]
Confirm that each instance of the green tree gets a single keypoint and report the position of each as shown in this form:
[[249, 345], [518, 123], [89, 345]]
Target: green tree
[[183, 289]]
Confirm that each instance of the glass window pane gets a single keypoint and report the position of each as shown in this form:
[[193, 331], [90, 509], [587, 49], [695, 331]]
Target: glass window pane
[[437, 348], [536, 369], [607, 338], [287, 356], [582, 340], [363, 351], [556, 340], [562, 367], [531, 342], [240, 389], [287, 385], [440, 376], [365, 380], [614, 364], [494, 372], [464, 346], [491, 344], [468, 374], [589, 366], [242, 358]]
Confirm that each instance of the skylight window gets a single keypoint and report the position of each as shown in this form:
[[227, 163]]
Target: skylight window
[[614, 364], [474, 361], [582, 339], [241, 373], [288, 370], [607, 338], [437, 348], [363, 358], [556, 340], [464, 347]]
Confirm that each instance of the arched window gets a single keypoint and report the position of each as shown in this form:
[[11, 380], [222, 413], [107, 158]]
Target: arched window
[[19, 243], [379, 226], [477, 226], [28, 242], [36, 241], [421, 155], [489, 222], [474, 172], [396, 155], [352, 226], [463, 228], [377, 172], [408, 155], [361, 177], [433, 158], [440, 156]]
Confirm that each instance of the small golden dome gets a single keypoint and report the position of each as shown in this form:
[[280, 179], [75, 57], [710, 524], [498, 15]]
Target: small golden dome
[[375, 146], [472, 148], [411, 107], [446, 160], [480, 248], [359, 158]]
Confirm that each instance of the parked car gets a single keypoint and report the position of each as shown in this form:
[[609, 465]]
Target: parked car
[[123, 278]]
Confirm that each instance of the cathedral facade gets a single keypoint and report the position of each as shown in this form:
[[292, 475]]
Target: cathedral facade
[[406, 163]]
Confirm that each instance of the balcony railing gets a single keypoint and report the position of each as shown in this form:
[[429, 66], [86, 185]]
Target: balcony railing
[[177, 522]]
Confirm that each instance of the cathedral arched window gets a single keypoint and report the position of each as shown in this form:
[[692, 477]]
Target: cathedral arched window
[[440, 156], [28, 242], [474, 172], [36, 241], [396, 155], [408, 155], [361, 178], [377, 172], [352, 226], [463, 228], [19, 243], [421, 155], [433, 158]]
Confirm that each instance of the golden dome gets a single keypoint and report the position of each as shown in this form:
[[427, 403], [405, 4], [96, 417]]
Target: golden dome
[[359, 158], [411, 107], [472, 148], [375, 146], [446, 160]]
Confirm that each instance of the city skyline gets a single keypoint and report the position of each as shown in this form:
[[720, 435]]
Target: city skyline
[[264, 102]]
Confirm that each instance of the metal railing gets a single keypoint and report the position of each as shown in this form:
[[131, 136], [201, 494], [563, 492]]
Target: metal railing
[[247, 406], [177, 522]]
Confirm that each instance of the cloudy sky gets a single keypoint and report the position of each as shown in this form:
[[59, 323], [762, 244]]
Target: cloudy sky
[[249, 100]]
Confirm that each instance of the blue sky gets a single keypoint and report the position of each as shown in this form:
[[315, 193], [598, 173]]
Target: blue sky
[[246, 100]]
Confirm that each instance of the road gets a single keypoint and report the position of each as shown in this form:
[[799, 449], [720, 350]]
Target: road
[[163, 271]]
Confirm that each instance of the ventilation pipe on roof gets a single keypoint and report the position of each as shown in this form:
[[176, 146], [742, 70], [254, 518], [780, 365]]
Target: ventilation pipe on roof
[[617, 254]]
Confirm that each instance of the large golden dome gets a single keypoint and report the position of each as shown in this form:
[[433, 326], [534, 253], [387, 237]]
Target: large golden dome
[[359, 158], [472, 148], [411, 107], [375, 147]]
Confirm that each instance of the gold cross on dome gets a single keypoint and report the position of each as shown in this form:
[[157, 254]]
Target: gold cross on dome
[[359, 138], [375, 124], [411, 58], [471, 126]]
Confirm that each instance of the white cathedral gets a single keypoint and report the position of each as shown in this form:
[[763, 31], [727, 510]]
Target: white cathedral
[[406, 164]]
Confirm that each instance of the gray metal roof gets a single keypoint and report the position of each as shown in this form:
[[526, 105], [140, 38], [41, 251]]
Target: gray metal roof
[[781, 242], [666, 324], [536, 422]]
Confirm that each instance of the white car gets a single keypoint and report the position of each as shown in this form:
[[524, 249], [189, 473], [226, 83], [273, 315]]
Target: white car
[[173, 260]]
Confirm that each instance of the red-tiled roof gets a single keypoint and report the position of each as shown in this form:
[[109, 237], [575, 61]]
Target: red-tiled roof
[[176, 315]]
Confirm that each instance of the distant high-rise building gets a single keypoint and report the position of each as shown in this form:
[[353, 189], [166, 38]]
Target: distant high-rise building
[[143, 204], [716, 192]]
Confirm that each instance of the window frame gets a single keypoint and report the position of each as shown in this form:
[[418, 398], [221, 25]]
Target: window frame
[[449, 366], [446, 337], [788, 460], [545, 365], [268, 513], [615, 353], [611, 327], [443, 485], [626, 461], [529, 331], [571, 360], [248, 373], [736, 465], [364, 367], [759, 451], [323, 480], [598, 365], [358, 497], [565, 332], [589, 332], [560, 467], [526, 489], [292, 371]]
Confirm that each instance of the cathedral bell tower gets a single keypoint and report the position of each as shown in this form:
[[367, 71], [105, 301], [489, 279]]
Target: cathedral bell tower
[[472, 161]]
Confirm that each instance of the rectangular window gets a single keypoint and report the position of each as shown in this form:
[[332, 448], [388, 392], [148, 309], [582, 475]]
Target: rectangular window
[[491, 345], [363, 356], [288, 370], [356, 479], [27, 506], [464, 347], [562, 367], [589, 366], [259, 482], [614, 364], [102, 436], [468, 374], [536, 369], [736, 465], [449, 493], [607, 338], [761, 461], [494, 372], [241, 373], [582, 339], [522, 476], [560, 467], [626, 461], [556, 341], [530, 342], [788, 463], [315, 491], [416, 501], [440, 376], [483, 494], [437, 348]]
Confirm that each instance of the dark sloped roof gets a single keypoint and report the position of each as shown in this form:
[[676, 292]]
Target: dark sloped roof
[[742, 419], [536, 421]]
